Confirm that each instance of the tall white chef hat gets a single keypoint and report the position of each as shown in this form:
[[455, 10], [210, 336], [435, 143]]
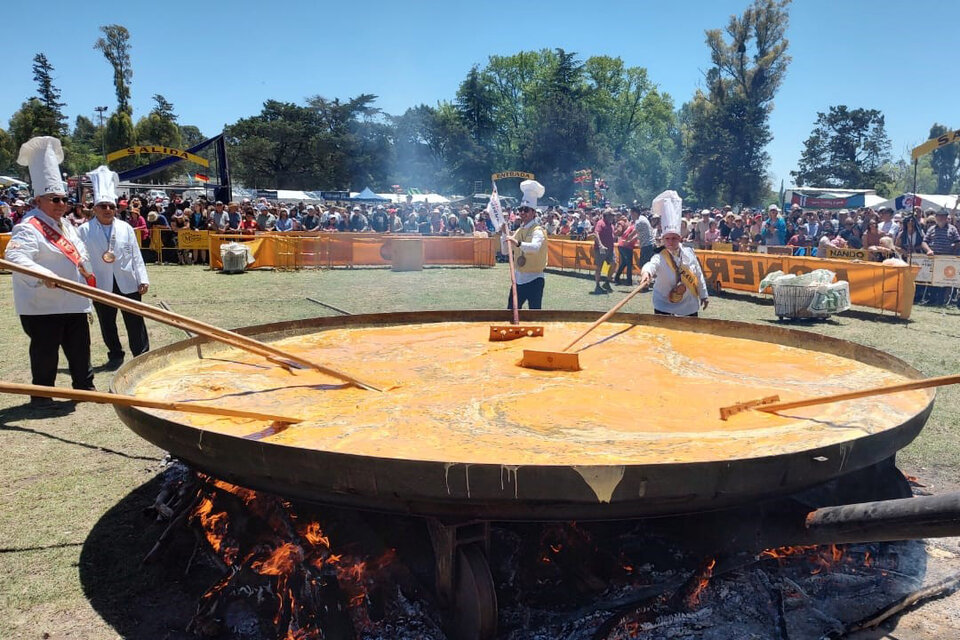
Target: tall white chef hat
[[43, 156], [532, 190], [669, 207], [104, 183]]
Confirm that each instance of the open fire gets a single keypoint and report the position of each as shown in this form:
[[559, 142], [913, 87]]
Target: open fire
[[295, 572]]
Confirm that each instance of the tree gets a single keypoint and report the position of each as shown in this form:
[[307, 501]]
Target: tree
[[945, 161], [559, 140], [163, 108], [191, 135], [85, 147], [52, 122], [847, 149], [119, 134], [728, 127], [115, 47], [8, 155]]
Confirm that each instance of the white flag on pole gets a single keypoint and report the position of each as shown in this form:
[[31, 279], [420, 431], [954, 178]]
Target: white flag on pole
[[495, 210]]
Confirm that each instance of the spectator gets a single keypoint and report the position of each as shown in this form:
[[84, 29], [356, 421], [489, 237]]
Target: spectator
[[603, 253], [6, 221], [233, 220], [871, 237], [626, 244], [942, 237], [284, 222], [774, 230], [249, 225], [850, 234], [712, 234]]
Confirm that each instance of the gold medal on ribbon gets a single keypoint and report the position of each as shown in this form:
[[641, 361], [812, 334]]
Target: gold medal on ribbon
[[676, 294], [108, 257]]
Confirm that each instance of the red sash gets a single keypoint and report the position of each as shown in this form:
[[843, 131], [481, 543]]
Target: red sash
[[66, 247]]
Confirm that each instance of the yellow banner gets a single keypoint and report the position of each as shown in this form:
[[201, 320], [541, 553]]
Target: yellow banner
[[193, 239], [935, 143], [305, 250], [4, 239], [158, 149], [872, 284], [833, 253], [511, 174]]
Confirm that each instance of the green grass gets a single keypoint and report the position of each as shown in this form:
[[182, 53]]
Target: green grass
[[80, 479]]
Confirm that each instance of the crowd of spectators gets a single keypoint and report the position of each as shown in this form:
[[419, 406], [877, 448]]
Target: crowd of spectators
[[885, 233]]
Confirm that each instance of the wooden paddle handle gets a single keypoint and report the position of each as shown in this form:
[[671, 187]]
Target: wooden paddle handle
[[182, 322], [133, 401], [863, 393], [606, 316], [513, 276]]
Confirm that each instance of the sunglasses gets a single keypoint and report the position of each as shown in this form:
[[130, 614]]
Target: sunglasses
[[106, 206], [58, 199]]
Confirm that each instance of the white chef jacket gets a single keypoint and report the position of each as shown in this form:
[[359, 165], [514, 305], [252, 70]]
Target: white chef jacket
[[523, 277], [29, 248], [666, 279], [128, 269]]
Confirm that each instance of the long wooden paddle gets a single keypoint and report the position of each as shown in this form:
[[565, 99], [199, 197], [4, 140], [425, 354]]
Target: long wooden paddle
[[231, 338], [563, 360], [770, 405], [133, 401]]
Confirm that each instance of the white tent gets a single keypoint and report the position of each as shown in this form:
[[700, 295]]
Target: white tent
[[927, 201], [418, 198]]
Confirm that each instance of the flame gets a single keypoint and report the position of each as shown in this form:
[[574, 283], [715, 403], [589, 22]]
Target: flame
[[215, 527], [822, 557], [281, 562], [693, 600]]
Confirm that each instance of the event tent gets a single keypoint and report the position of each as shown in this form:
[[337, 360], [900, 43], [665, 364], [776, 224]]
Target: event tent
[[9, 181], [367, 195]]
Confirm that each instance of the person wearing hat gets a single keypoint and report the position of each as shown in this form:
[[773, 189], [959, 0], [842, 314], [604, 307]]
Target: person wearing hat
[[529, 247], [679, 288], [52, 318], [942, 239], [118, 266], [774, 230]]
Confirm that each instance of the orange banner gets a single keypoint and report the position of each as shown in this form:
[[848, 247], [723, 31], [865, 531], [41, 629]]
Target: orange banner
[[304, 251], [872, 284], [4, 239]]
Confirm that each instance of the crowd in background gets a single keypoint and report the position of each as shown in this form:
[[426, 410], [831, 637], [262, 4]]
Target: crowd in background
[[885, 233]]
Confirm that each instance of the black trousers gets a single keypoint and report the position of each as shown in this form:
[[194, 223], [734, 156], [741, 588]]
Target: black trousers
[[47, 335], [646, 252], [136, 327], [626, 262], [695, 314], [531, 293]]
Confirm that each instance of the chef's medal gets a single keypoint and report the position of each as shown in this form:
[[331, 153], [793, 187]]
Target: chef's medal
[[108, 256]]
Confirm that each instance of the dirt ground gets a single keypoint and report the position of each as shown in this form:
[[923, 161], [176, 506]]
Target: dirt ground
[[75, 485]]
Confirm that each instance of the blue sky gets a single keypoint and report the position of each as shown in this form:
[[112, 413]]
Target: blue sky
[[219, 62]]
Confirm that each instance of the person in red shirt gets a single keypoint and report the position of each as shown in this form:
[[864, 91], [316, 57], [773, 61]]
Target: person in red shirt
[[249, 225], [626, 243], [603, 243]]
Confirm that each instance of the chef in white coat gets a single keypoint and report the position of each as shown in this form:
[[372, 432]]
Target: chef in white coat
[[118, 265], [679, 287], [52, 318]]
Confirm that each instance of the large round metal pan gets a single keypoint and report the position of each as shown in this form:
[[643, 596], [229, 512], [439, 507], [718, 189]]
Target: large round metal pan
[[516, 492]]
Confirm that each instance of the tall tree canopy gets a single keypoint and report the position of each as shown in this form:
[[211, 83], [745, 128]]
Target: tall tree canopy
[[728, 124], [945, 160], [847, 148], [51, 120], [115, 47]]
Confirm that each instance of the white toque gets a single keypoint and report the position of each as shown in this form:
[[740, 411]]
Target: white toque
[[104, 182], [43, 156], [532, 190], [669, 206]]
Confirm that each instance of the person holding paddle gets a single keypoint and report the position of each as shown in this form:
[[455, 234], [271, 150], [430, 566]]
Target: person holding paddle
[[45, 242], [679, 287], [529, 247]]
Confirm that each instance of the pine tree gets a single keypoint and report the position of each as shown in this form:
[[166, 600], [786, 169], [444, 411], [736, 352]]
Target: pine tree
[[51, 120]]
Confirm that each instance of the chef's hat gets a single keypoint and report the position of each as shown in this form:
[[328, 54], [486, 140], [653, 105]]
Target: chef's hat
[[104, 183], [669, 207], [532, 190], [43, 156]]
